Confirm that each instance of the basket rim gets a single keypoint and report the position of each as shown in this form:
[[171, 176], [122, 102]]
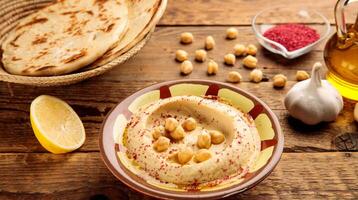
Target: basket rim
[[78, 76]]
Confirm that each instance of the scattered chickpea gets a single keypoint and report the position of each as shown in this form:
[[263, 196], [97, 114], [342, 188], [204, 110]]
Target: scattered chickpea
[[185, 155], [186, 38], [209, 42], [202, 155], [171, 124], [158, 131], [256, 75], [186, 67], [216, 137], [200, 55], [240, 50], [181, 55], [251, 49], [279, 81], [231, 33], [204, 140], [161, 144], [302, 75], [250, 62], [189, 124], [213, 67], [234, 77], [229, 59], [178, 133]]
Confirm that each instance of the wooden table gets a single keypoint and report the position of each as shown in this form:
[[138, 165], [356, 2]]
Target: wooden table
[[311, 167]]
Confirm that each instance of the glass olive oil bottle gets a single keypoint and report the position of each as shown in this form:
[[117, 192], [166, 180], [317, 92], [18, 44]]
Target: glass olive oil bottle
[[341, 56]]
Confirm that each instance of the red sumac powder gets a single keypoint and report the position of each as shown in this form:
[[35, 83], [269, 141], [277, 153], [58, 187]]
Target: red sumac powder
[[292, 36]]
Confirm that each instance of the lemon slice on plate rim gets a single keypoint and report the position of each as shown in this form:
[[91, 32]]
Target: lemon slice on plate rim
[[56, 125]]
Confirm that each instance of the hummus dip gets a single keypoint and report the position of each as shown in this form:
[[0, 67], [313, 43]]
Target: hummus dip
[[179, 162]]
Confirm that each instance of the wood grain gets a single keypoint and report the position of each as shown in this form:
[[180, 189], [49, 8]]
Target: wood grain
[[83, 175], [155, 62], [233, 12], [17, 135], [311, 166]]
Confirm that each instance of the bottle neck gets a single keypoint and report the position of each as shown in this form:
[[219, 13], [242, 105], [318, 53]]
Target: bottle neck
[[340, 18]]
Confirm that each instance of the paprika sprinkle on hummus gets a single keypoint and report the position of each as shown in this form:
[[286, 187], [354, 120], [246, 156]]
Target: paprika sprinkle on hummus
[[200, 142]]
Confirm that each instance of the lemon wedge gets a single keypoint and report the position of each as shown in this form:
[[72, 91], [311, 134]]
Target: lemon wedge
[[56, 125]]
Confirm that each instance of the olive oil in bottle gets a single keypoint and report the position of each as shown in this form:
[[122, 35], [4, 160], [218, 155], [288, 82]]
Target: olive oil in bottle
[[341, 57]]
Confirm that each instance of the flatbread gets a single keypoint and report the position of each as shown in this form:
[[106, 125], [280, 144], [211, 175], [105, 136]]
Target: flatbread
[[141, 20], [64, 37]]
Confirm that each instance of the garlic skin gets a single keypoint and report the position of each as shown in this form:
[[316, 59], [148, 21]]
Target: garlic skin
[[314, 100]]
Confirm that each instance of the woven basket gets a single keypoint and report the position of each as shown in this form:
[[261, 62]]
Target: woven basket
[[11, 11]]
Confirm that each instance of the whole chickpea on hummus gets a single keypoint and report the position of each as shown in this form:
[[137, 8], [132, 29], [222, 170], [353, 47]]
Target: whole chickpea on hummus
[[190, 142]]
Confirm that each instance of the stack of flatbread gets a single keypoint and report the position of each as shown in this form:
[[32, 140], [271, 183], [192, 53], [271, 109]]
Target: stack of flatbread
[[72, 35]]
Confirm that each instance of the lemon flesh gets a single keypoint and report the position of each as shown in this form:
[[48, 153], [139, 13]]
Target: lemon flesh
[[56, 125]]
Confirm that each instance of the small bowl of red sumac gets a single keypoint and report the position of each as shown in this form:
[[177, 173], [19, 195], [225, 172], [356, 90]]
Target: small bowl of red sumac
[[290, 32]]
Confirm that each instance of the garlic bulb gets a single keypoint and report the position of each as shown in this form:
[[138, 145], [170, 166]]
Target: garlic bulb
[[313, 101]]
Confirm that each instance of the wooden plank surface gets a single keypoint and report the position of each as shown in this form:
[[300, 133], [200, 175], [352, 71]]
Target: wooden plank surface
[[233, 12], [84, 176], [93, 109], [156, 60], [310, 168], [156, 63]]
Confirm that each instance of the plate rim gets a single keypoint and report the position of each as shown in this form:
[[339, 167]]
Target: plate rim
[[264, 173]]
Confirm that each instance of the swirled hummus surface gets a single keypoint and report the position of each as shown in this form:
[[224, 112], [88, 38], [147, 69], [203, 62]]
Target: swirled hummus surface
[[233, 157]]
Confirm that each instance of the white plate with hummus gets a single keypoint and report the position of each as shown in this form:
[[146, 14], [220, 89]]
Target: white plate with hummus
[[191, 139]]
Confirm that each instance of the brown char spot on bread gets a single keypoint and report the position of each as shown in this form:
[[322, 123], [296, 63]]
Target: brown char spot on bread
[[39, 68], [89, 12], [74, 57], [12, 43], [99, 3], [148, 10], [34, 21], [109, 28], [45, 68], [39, 40], [77, 32], [70, 12], [53, 43], [15, 59], [84, 23], [41, 53], [102, 17]]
